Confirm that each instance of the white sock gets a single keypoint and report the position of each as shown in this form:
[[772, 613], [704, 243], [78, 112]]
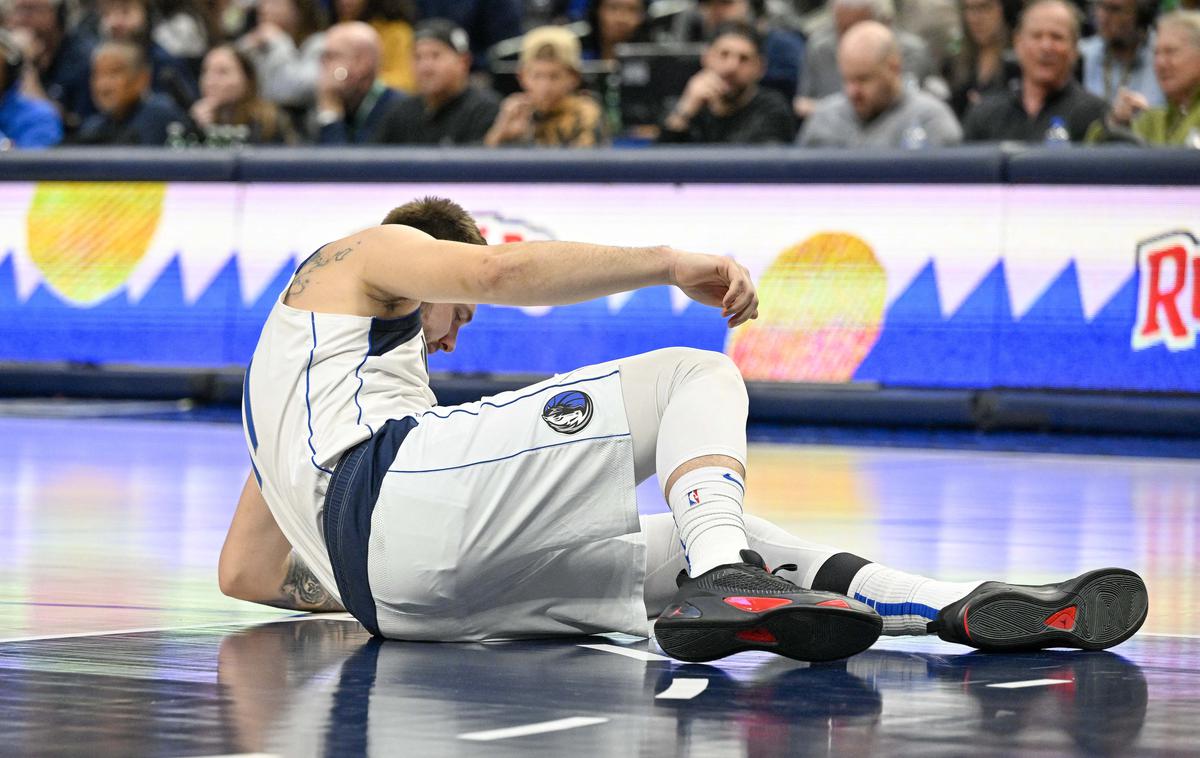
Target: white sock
[[707, 505], [907, 602]]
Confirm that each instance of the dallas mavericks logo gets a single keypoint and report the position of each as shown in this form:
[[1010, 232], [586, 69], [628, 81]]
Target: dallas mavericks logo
[[568, 412]]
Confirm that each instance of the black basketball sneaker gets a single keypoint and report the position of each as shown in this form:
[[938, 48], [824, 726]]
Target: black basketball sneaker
[[742, 606], [1093, 611]]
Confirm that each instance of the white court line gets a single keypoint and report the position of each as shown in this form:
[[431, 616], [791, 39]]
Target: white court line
[[640, 655], [683, 689], [557, 725], [240, 755], [1166, 634], [214, 625], [1030, 683]]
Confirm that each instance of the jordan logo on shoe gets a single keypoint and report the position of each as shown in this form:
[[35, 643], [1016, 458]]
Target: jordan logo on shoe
[[1064, 619]]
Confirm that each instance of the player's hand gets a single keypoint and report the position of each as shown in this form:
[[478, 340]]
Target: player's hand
[[720, 282]]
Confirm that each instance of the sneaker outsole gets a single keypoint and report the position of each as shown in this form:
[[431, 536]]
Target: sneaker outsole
[[805, 633], [1110, 606]]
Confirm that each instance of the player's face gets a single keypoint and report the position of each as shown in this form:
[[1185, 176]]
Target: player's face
[[441, 322]]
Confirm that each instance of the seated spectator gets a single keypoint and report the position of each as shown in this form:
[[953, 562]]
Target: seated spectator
[[286, 50], [448, 109], [61, 58], [1177, 68], [186, 29], [25, 122], [985, 63], [129, 112], [875, 109], [782, 50], [549, 111], [723, 103], [129, 21], [613, 22], [1120, 55], [485, 21], [1046, 43], [352, 103], [819, 75], [393, 21], [229, 98]]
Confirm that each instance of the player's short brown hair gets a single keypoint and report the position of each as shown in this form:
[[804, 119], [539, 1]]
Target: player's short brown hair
[[439, 218]]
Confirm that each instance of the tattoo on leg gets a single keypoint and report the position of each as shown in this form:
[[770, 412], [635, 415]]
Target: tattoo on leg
[[302, 592]]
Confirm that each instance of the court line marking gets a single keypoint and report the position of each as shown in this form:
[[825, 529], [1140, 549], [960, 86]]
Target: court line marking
[[640, 655], [1030, 683], [1168, 634], [145, 630], [558, 725], [241, 755], [683, 689]]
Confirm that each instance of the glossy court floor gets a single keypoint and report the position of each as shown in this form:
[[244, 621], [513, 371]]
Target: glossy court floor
[[114, 640]]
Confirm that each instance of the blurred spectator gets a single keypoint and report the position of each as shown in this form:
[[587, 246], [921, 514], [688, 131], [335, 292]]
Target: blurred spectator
[[985, 63], [1120, 56], [549, 111], [185, 28], [612, 23], [723, 102], [286, 50], [129, 21], [25, 122], [130, 113], [819, 75], [393, 21], [782, 50], [229, 109], [1048, 98], [448, 109], [1177, 67], [485, 21], [352, 103], [875, 109], [62, 59], [936, 22]]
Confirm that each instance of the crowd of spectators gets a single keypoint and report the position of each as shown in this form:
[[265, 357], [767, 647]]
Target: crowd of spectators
[[568, 73]]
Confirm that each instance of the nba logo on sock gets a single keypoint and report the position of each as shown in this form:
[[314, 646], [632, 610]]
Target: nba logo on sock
[[694, 497], [568, 412]]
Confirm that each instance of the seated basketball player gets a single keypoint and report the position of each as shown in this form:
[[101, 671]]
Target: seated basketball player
[[515, 516]]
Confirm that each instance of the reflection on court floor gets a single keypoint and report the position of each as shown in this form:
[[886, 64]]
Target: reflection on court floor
[[109, 612]]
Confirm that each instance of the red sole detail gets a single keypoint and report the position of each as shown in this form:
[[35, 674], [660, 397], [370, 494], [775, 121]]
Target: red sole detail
[[757, 636], [756, 604]]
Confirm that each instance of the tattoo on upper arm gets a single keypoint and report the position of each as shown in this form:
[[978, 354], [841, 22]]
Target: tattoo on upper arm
[[319, 260], [301, 591]]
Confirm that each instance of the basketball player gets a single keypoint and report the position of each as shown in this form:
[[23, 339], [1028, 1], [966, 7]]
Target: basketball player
[[515, 516]]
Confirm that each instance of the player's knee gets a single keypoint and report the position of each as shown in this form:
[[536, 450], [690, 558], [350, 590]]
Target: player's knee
[[712, 364]]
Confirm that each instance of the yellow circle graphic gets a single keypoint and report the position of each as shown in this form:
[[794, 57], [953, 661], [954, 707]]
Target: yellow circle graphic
[[87, 237], [820, 311]]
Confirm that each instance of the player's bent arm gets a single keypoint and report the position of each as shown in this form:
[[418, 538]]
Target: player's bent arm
[[258, 565], [400, 262]]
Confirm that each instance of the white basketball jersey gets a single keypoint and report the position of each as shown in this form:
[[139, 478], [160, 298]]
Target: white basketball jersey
[[320, 383]]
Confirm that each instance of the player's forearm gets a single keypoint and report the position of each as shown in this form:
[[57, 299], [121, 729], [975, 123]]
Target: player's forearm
[[557, 273]]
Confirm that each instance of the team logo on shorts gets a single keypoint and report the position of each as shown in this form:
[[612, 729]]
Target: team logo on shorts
[[568, 412]]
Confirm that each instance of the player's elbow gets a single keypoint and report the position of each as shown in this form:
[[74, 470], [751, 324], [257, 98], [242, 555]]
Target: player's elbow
[[235, 580]]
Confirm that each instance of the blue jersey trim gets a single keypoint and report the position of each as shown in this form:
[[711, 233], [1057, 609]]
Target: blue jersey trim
[[358, 368], [522, 397], [307, 387], [504, 458], [898, 609], [349, 503], [390, 333], [246, 408]]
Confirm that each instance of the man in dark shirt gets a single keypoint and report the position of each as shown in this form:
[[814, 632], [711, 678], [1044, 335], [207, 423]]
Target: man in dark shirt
[[130, 114], [723, 102], [1046, 44], [448, 110], [352, 103], [61, 58]]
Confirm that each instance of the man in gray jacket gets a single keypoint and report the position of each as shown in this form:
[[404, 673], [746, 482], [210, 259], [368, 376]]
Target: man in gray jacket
[[875, 108]]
